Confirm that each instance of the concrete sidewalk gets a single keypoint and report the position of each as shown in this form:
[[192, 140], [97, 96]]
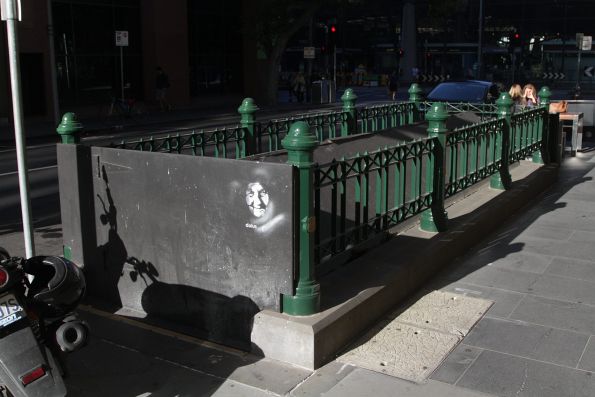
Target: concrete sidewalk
[[536, 340]]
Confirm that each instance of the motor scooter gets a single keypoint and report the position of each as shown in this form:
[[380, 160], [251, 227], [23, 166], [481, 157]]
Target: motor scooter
[[38, 324]]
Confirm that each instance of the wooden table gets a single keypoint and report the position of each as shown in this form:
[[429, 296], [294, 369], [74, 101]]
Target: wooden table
[[576, 140]]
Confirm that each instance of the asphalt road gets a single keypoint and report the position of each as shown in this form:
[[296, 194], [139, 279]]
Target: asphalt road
[[43, 181]]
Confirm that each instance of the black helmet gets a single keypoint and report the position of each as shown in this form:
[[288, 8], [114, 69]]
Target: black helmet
[[58, 284]]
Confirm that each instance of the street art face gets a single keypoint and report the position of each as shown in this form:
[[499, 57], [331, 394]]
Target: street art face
[[257, 199]]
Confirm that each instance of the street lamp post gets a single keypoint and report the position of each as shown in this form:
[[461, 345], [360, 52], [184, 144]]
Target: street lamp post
[[11, 10], [479, 40]]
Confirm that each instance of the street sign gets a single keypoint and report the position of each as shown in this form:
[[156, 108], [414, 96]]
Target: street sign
[[587, 41], [579, 39], [309, 53], [121, 38], [553, 76], [589, 71], [433, 78]]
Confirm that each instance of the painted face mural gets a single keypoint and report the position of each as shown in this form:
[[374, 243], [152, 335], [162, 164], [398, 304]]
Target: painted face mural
[[257, 199]]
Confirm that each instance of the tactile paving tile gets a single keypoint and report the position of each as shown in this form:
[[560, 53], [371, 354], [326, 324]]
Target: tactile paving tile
[[446, 312], [413, 344]]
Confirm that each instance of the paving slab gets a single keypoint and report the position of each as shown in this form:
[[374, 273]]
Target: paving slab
[[572, 268], [504, 255], [588, 358], [105, 369], [367, 383], [567, 249], [509, 376], [455, 365], [504, 301], [582, 236], [564, 288], [323, 379], [545, 233], [228, 371], [554, 313], [489, 276], [528, 340]]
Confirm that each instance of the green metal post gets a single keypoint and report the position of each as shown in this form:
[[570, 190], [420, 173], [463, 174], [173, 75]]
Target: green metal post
[[349, 126], [415, 97], [70, 128], [300, 143], [544, 98], [502, 180], [247, 112], [435, 218]]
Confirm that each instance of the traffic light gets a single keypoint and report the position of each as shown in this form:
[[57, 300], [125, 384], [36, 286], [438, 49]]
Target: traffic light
[[401, 52], [516, 40], [332, 41]]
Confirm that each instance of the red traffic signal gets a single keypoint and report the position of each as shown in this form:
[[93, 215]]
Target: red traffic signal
[[333, 29], [517, 36]]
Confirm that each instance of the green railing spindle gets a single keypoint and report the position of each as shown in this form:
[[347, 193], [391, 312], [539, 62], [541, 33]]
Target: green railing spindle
[[247, 111], [435, 218], [544, 96], [502, 180], [349, 124], [415, 97], [300, 143]]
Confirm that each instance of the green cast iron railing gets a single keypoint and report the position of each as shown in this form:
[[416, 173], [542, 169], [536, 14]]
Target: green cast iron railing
[[483, 109], [228, 142], [363, 195], [381, 117], [526, 129], [472, 154], [360, 196], [347, 202], [327, 125]]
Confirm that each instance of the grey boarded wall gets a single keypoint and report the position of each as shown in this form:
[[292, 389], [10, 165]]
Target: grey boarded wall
[[175, 236]]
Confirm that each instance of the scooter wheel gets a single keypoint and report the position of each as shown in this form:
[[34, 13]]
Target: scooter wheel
[[71, 336]]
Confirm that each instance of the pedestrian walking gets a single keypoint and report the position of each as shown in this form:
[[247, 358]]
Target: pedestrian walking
[[299, 86], [393, 85]]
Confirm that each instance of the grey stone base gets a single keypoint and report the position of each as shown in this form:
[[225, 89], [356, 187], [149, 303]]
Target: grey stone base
[[356, 296]]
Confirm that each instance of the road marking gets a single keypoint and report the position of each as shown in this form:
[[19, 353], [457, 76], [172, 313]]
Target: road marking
[[30, 170], [7, 149]]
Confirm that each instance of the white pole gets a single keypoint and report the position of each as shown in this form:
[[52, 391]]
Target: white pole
[[10, 14], [335, 67], [122, 71], [577, 88]]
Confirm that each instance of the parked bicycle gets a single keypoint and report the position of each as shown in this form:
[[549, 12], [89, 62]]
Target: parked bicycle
[[121, 107]]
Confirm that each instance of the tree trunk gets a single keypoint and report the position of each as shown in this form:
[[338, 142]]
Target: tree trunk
[[272, 71]]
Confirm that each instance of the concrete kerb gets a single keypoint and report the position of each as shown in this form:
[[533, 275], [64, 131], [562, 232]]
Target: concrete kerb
[[364, 290]]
